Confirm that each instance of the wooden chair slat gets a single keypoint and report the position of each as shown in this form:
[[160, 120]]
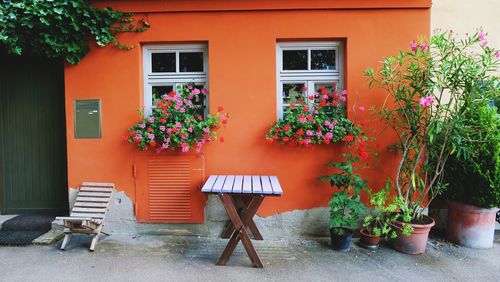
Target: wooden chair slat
[[98, 184], [96, 189], [94, 194], [266, 185], [238, 184], [228, 184], [256, 185], [91, 215], [89, 210], [90, 204], [277, 190], [207, 187], [90, 199]]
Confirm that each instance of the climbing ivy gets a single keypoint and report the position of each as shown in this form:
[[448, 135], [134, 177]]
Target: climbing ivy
[[61, 28]]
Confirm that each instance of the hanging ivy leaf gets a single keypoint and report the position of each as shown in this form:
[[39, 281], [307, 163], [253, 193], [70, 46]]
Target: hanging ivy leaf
[[61, 28]]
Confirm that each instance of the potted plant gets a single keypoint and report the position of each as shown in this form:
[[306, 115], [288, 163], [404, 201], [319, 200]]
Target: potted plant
[[345, 205], [380, 223], [177, 122], [473, 175], [425, 92]]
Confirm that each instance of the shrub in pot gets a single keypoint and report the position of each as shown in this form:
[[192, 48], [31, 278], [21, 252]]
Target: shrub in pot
[[380, 223], [473, 175], [426, 89], [345, 205]]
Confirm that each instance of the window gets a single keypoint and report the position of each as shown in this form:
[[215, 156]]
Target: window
[[306, 66], [168, 66]]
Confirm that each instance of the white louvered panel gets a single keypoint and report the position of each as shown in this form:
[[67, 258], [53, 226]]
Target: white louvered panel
[[169, 189]]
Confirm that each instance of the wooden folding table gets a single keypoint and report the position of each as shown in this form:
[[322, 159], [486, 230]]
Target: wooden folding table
[[242, 196]]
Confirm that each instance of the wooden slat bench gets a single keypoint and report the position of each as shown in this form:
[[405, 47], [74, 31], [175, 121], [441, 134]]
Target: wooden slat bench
[[89, 211], [242, 196]]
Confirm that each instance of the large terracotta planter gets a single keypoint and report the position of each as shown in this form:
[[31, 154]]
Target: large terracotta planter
[[415, 243], [471, 226]]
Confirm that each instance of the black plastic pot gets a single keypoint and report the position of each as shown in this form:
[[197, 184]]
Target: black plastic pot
[[343, 241]]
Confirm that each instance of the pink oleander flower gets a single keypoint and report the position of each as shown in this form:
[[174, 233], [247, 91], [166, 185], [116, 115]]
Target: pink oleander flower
[[343, 92], [151, 136], [162, 128], [196, 91], [178, 125], [484, 43], [204, 90], [151, 119], [182, 110], [497, 54], [424, 47], [481, 36], [413, 45], [309, 133], [190, 87], [319, 134], [329, 135], [142, 126], [190, 129], [164, 145], [427, 101], [343, 99]]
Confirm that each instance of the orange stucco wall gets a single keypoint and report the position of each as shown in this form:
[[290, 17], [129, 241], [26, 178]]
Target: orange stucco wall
[[242, 78]]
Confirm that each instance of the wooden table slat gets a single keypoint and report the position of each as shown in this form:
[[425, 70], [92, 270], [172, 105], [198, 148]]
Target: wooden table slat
[[256, 185], [238, 184], [276, 185], [207, 188], [247, 184], [217, 188], [266, 185], [228, 184]]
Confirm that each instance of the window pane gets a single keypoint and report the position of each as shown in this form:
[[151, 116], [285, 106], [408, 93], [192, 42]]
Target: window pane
[[159, 91], [163, 62], [294, 59], [322, 59], [191, 62], [292, 93]]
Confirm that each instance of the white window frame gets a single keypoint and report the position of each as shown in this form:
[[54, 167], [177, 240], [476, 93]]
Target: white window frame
[[308, 77], [176, 78]]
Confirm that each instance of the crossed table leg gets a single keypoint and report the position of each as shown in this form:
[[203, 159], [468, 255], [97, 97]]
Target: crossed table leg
[[240, 221]]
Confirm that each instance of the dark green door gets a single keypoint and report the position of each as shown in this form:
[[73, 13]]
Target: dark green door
[[33, 167]]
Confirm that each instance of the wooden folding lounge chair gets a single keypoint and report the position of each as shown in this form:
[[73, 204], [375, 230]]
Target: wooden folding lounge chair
[[88, 214]]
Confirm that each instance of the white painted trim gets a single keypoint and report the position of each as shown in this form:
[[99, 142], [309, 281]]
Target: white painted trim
[[309, 77], [151, 78]]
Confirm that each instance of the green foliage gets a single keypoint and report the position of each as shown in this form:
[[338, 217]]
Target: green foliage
[[345, 205], [427, 91], [386, 211], [61, 28], [473, 172]]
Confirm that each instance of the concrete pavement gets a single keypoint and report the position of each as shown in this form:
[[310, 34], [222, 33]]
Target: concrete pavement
[[125, 257]]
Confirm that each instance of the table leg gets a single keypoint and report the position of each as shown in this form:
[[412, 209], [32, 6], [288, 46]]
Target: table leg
[[242, 202], [240, 232]]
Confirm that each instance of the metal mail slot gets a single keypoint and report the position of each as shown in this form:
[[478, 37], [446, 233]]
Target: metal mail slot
[[87, 119]]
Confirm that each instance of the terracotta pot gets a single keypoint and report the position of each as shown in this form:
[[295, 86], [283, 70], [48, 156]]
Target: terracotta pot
[[471, 226], [415, 243], [367, 239]]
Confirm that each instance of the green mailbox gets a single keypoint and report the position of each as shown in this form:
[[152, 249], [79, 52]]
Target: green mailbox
[[87, 119]]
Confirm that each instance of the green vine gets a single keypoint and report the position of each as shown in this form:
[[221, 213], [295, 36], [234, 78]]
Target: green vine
[[61, 28]]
